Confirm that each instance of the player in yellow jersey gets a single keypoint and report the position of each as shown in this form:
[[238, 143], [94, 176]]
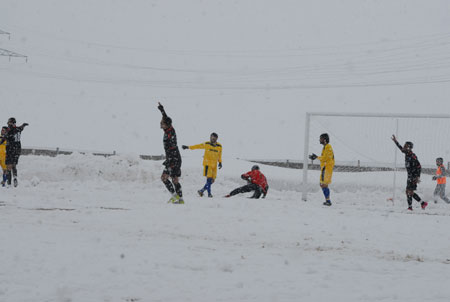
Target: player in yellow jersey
[[212, 156], [326, 166], [3, 157]]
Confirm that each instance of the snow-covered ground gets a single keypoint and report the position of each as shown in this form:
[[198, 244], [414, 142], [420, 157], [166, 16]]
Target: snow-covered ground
[[85, 228]]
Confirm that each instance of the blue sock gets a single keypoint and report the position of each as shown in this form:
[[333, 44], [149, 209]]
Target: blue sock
[[208, 185], [326, 193], [4, 177]]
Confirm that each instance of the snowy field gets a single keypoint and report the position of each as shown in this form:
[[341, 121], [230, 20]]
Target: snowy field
[[85, 228]]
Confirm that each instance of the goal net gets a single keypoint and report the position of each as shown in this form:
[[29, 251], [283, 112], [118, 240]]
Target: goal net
[[367, 159]]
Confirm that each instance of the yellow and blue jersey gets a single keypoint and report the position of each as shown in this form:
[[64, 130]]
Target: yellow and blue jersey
[[213, 153], [3, 155], [327, 156]]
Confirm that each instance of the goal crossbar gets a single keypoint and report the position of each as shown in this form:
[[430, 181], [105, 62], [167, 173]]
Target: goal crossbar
[[390, 115]]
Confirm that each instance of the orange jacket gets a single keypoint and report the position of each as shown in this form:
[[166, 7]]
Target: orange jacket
[[440, 173]]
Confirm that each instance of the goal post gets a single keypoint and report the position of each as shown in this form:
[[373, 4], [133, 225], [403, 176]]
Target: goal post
[[362, 143]]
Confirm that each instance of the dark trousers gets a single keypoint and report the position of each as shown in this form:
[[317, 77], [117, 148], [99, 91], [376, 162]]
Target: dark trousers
[[248, 188]]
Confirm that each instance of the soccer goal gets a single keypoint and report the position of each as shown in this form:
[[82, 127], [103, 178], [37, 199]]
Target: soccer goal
[[366, 157]]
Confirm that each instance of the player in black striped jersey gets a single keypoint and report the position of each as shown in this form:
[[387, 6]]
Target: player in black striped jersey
[[13, 148]]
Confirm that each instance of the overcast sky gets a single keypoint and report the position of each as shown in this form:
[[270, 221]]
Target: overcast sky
[[248, 70]]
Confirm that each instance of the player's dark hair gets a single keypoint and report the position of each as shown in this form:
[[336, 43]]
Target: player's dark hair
[[215, 135], [325, 137], [255, 167], [410, 145], [440, 160], [12, 120]]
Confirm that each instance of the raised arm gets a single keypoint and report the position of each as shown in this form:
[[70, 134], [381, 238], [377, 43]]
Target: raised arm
[[397, 143], [161, 108]]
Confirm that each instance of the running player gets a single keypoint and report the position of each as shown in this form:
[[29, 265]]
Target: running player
[[212, 156]]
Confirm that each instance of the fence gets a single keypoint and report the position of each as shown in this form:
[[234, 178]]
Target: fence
[[57, 151], [279, 163]]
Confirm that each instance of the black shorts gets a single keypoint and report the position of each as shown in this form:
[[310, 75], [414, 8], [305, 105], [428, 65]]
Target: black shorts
[[173, 168], [12, 157], [173, 171], [411, 183]]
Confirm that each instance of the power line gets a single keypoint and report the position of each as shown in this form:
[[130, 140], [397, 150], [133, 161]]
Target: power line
[[9, 53], [2, 32]]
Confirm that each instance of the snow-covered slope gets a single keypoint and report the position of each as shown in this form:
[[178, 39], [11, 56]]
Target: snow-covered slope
[[85, 228]]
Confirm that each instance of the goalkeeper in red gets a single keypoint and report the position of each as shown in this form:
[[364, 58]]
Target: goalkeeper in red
[[326, 166], [212, 156], [257, 182], [413, 168]]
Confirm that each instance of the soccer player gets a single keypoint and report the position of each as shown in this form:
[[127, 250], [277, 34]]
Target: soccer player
[[441, 180], [173, 159], [257, 182], [212, 156], [413, 168], [326, 166], [3, 156], [13, 148]]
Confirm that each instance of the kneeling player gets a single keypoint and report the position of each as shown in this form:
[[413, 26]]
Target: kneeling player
[[257, 182]]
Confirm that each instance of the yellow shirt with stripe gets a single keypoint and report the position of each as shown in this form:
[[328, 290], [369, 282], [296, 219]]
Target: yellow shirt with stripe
[[213, 153], [327, 156], [326, 164], [3, 155]]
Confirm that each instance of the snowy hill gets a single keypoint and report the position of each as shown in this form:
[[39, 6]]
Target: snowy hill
[[85, 228]]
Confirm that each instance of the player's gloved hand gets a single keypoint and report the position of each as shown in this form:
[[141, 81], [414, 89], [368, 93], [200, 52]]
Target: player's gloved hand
[[434, 177], [244, 177], [220, 165], [25, 124], [185, 147], [160, 107], [312, 156]]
